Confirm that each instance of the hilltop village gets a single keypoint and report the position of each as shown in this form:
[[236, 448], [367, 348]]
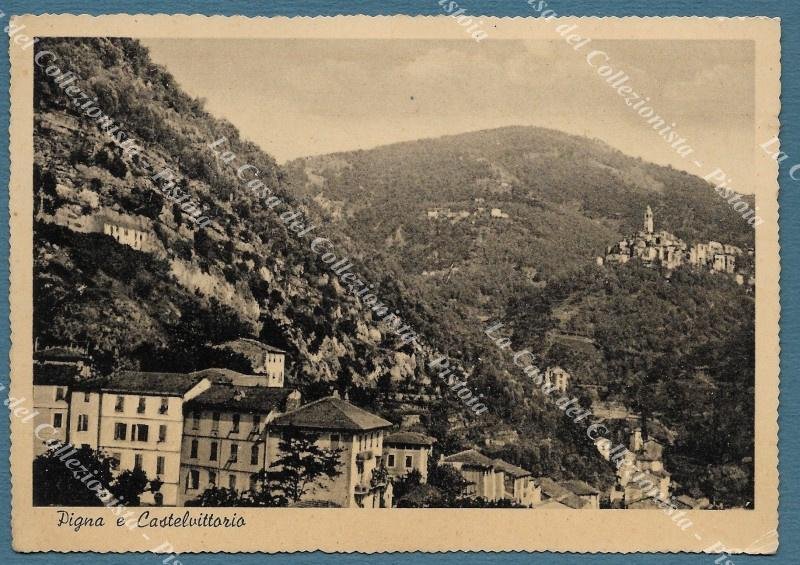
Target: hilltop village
[[667, 250]]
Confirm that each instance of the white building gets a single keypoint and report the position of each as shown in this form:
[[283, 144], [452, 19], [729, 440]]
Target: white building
[[137, 418], [126, 233]]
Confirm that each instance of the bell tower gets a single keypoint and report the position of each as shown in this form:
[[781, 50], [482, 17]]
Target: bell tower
[[648, 220]]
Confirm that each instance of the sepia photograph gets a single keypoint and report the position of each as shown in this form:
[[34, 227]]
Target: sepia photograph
[[471, 271]]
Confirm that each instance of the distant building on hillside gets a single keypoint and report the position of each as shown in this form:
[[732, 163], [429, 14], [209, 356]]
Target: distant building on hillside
[[558, 377], [126, 232]]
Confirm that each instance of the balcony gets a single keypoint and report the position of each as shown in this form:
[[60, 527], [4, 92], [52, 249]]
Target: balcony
[[365, 455]]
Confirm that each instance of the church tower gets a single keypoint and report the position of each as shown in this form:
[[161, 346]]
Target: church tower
[[648, 220]]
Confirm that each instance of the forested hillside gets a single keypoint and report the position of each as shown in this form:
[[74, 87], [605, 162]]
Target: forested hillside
[[566, 198]]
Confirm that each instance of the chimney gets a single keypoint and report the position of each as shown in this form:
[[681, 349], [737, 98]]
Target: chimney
[[293, 401]]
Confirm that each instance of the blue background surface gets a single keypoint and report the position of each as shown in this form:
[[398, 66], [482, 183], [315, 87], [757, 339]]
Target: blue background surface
[[787, 10]]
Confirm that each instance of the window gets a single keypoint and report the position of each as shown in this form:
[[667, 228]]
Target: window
[[162, 433], [409, 461], [254, 455], [140, 408], [253, 481], [138, 461], [83, 422], [164, 406], [120, 404], [58, 420], [194, 479], [193, 450], [390, 460], [235, 429], [213, 455], [215, 422], [334, 441], [116, 458], [139, 432], [234, 453], [256, 421], [60, 393], [196, 420], [159, 465], [86, 396], [120, 431], [212, 478], [232, 482]]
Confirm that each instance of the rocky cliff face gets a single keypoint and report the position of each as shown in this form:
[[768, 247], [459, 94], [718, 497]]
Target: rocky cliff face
[[157, 306]]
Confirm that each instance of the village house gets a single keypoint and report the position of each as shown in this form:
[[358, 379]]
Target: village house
[[224, 435], [56, 370], [555, 496], [585, 492], [51, 386], [405, 451], [141, 424], [337, 424], [479, 471], [519, 485]]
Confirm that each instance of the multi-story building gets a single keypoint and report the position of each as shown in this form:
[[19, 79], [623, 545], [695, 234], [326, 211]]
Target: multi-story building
[[405, 451], [337, 424], [224, 436], [485, 481], [141, 424], [519, 485]]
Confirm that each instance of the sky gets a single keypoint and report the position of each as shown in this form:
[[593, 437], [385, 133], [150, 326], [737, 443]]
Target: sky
[[300, 97]]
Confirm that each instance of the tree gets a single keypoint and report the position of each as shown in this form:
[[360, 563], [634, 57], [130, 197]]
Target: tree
[[403, 485], [56, 484], [302, 464], [129, 485], [450, 482]]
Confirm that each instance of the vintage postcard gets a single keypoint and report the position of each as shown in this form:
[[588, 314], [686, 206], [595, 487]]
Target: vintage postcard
[[394, 284]]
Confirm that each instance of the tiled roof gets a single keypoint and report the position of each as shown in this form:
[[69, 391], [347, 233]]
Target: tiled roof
[[331, 413], [241, 398], [54, 375], [580, 488], [174, 384], [314, 504], [513, 470], [560, 494], [470, 457], [229, 376], [408, 438]]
